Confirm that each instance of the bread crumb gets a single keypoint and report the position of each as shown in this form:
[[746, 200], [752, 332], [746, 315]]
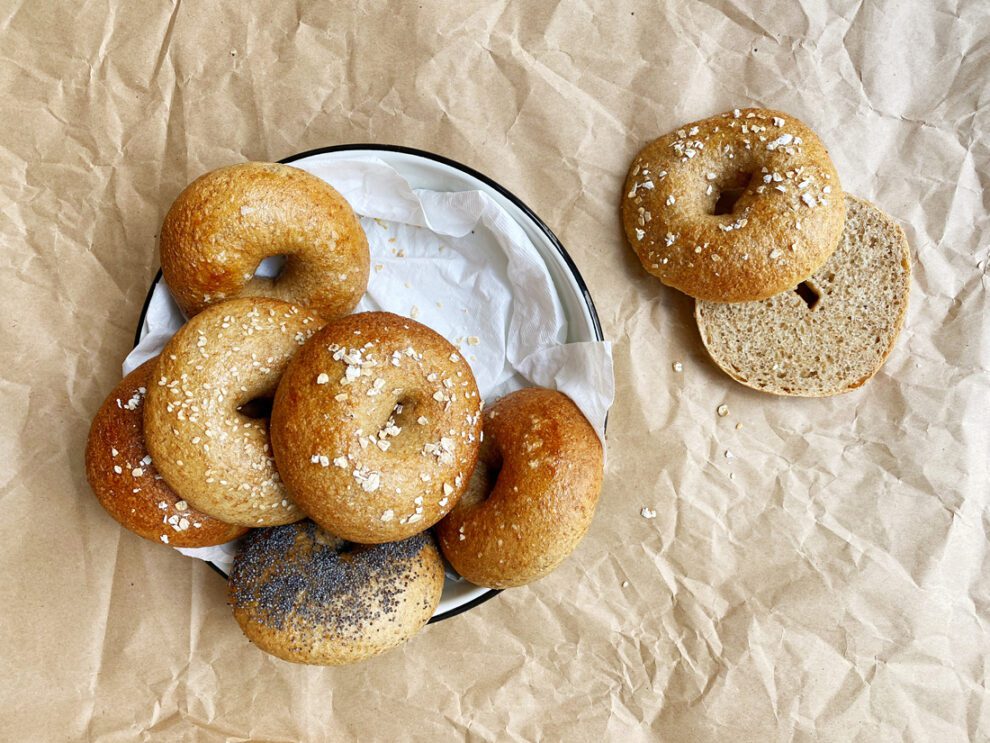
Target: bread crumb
[[647, 513], [414, 312], [678, 367], [722, 410]]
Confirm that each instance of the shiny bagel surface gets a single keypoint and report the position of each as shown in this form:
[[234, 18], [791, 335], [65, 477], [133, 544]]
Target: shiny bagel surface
[[533, 494], [123, 477], [227, 221]]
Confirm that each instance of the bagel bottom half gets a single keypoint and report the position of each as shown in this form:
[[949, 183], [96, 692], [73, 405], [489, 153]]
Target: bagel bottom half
[[306, 596], [833, 332], [532, 495]]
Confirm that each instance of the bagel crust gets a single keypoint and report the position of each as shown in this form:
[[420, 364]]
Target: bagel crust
[[549, 465], [376, 427], [784, 225], [124, 479], [214, 456], [308, 597], [227, 221]]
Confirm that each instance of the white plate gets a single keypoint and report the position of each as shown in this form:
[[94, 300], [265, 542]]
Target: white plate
[[424, 170]]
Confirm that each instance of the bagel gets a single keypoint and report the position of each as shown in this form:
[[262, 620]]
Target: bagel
[[227, 221], [376, 426], [124, 479], [211, 453], [832, 333], [532, 495], [783, 226], [308, 597]]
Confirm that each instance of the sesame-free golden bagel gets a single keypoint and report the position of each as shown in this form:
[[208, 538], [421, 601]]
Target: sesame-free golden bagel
[[533, 494], [227, 221]]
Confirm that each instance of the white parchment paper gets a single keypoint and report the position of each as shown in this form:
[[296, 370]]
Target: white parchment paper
[[459, 263]]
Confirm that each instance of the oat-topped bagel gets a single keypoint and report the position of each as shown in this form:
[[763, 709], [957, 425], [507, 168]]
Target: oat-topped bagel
[[532, 495], [376, 426], [124, 479], [212, 454], [225, 222], [309, 597], [783, 225]]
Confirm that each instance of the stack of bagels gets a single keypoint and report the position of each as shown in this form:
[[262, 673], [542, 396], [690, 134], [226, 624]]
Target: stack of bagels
[[800, 288], [350, 451]]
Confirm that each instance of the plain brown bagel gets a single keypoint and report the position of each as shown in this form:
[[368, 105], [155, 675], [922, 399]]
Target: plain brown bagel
[[783, 225], [533, 493], [225, 222], [376, 426], [306, 596], [124, 479]]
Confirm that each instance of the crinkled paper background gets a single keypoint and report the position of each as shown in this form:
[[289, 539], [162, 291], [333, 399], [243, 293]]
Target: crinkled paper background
[[829, 580]]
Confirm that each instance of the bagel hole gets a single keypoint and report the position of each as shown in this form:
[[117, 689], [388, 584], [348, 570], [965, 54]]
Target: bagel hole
[[483, 479], [256, 408], [271, 267], [729, 191], [810, 293], [402, 416], [726, 201]]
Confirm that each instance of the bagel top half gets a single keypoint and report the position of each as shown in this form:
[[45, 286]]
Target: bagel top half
[[734, 208]]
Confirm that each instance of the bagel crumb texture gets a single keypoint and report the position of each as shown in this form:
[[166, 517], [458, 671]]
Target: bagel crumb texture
[[214, 455], [384, 448], [834, 334], [734, 208], [309, 597], [533, 494]]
